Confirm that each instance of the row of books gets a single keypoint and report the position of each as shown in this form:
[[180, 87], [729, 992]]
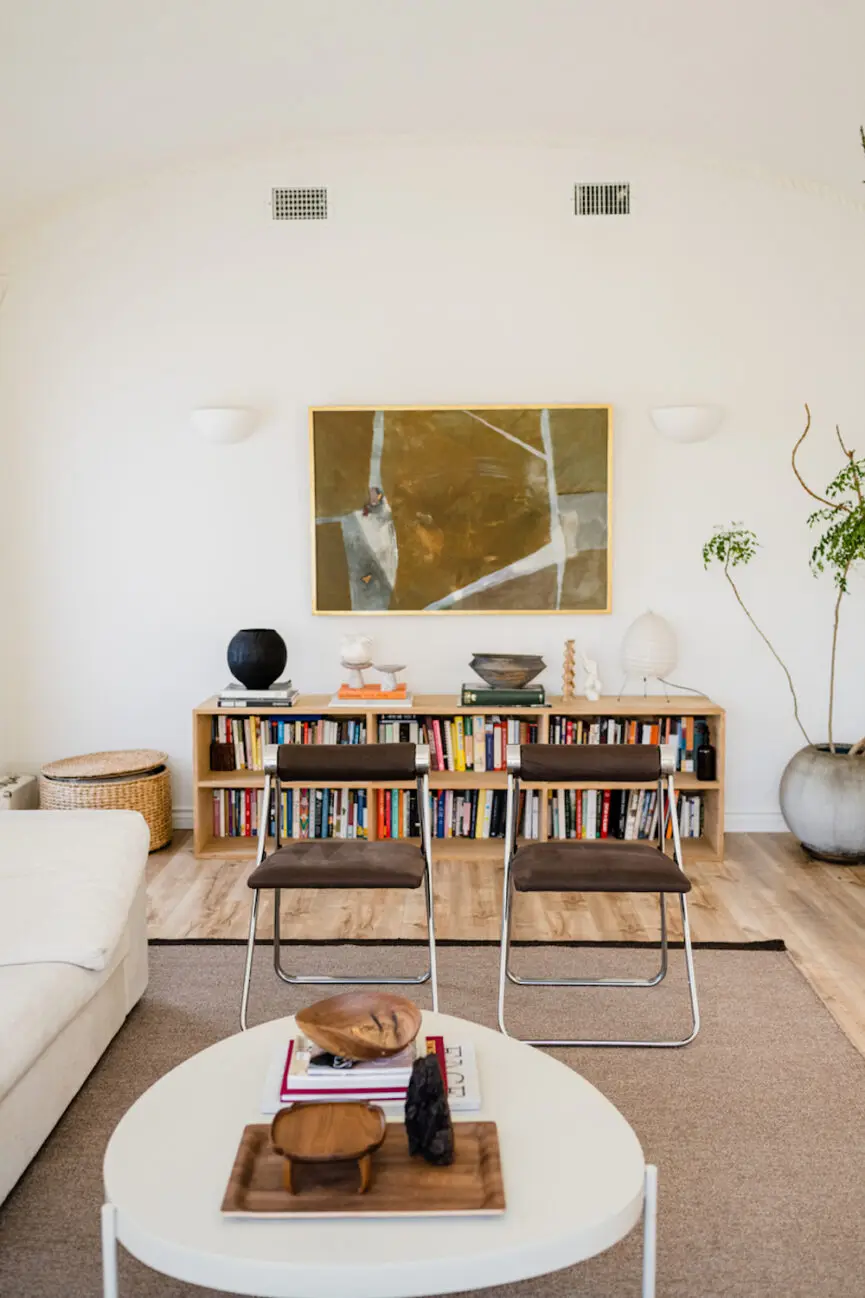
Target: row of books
[[686, 734], [248, 735], [620, 813], [472, 813], [304, 813], [344, 813], [460, 743]]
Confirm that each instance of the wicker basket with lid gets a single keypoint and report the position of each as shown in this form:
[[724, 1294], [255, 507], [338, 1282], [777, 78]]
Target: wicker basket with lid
[[135, 780]]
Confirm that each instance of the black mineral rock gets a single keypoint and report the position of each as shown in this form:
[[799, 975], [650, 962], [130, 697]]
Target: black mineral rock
[[427, 1115]]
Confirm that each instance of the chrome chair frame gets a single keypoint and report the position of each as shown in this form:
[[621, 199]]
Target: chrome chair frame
[[506, 974], [272, 784]]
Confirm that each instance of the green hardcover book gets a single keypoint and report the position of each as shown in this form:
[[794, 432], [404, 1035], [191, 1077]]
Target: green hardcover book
[[530, 696]]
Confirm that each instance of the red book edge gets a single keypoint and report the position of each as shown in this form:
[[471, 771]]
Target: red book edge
[[434, 1046]]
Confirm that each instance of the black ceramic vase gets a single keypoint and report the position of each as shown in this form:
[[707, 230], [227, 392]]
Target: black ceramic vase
[[256, 657]]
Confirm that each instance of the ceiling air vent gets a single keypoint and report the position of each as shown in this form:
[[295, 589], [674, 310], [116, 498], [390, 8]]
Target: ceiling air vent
[[602, 200], [299, 204]]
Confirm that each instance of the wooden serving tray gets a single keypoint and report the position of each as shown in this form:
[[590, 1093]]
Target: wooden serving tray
[[401, 1185]]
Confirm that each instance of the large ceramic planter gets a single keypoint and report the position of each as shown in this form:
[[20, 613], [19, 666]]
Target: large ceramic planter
[[823, 802]]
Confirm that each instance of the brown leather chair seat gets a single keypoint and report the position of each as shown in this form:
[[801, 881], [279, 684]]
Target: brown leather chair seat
[[338, 863], [612, 866]]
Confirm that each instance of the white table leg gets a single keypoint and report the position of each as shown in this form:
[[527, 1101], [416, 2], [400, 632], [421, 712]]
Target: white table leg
[[109, 1251], [650, 1222]]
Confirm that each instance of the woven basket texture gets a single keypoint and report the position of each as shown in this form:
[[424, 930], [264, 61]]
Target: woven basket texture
[[149, 793]]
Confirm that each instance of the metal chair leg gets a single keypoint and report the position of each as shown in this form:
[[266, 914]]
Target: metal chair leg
[[431, 937], [505, 975], [520, 981], [329, 980], [250, 952]]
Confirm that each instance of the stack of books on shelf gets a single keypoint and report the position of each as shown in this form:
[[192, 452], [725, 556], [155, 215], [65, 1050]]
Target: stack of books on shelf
[[685, 734], [620, 813], [301, 1072], [499, 696], [304, 813], [248, 736], [235, 695], [460, 743]]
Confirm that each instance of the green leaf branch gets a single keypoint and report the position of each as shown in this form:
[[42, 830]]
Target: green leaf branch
[[840, 545], [733, 547]]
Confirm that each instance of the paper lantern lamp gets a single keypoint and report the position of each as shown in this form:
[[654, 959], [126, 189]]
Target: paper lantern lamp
[[649, 647]]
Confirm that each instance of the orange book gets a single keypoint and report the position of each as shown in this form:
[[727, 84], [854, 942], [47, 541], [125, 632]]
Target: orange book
[[673, 812], [379, 823], [688, 763]]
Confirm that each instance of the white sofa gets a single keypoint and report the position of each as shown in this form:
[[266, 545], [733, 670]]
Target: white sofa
[[73, 960]]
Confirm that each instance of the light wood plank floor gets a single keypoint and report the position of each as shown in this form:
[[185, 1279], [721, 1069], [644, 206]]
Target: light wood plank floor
[[765, 888]]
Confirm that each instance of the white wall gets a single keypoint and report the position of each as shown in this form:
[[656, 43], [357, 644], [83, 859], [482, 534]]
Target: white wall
[[443, 275]]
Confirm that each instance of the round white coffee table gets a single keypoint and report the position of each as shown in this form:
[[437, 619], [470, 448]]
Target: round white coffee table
[[574, 1173]]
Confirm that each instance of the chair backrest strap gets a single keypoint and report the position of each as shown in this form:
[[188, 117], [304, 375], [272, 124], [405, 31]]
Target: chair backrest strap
[[360, 763], [602, 762]]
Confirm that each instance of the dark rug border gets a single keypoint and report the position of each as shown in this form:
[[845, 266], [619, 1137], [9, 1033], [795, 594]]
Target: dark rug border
[[767, 944]]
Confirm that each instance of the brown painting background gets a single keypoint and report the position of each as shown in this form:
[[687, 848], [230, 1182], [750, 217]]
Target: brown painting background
[[465, 502]]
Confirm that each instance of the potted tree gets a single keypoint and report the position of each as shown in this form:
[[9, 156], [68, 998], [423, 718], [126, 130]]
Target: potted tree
[[823, 786]]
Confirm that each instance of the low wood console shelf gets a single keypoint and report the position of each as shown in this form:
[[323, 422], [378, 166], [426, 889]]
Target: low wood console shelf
[[679, 711]]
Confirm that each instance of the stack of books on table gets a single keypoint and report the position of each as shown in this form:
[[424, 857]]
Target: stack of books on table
[[300, 1072], [235, 695]]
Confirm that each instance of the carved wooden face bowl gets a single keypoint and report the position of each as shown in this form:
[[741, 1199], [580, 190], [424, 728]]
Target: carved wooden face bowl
[[361, 1025]]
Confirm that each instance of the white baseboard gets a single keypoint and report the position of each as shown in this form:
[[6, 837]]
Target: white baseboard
[[754, 822], [182, 817]]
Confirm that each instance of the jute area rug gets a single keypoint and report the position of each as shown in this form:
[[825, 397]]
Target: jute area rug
[[758, 1128]]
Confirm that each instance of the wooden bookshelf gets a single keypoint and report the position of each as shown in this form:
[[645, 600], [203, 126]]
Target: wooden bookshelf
[[710, 847]]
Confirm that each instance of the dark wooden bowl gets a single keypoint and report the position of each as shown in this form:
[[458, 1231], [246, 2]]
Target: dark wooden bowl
[[361, 1025]]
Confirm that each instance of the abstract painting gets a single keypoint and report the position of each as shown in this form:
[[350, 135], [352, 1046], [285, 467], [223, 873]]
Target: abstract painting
[[488, 509]]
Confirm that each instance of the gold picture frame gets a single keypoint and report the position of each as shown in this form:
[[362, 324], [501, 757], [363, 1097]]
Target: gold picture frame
[[461, 509]]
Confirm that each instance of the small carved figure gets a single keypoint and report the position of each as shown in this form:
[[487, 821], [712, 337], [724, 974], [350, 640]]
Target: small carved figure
[[592, 685]]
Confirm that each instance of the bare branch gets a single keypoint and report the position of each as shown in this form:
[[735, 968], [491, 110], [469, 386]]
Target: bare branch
[[851, 456], [772, 650], [833, 504]]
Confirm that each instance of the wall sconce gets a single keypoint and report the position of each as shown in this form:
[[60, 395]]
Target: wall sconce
[[687, 423], [224, 423]]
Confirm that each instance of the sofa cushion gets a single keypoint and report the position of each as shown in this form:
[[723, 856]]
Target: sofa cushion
[[38, 1001], [67, 881]]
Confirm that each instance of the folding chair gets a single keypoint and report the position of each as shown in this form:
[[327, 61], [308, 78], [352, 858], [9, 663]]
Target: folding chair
[[340, 862], [595, 865]]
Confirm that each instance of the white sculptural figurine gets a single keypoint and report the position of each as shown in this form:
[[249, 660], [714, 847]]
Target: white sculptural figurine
[[356, 654], [593, 681]]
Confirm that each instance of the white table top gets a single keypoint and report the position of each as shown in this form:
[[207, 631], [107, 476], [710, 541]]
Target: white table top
[[573, 1171]]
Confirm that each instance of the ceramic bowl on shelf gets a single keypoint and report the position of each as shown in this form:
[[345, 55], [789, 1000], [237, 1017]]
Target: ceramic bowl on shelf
[[507, 671]]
